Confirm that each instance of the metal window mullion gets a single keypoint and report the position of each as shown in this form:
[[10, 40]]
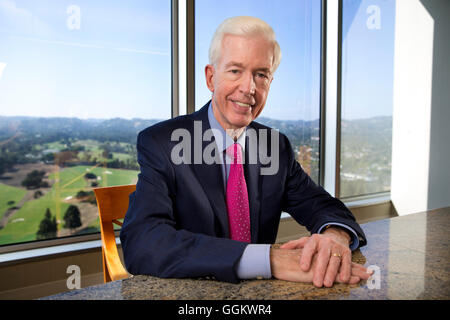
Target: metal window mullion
[[184, 57], [339, 102], [331, 110], [175, 110], [323, 77], [190, 56]]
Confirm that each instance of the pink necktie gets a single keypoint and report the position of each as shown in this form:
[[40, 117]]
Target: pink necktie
[[237, 197]]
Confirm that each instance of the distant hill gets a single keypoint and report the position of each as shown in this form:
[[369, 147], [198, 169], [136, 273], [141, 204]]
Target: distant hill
[[365, 149], [299, 132], [122, 130], [54, 129], [375, 133]]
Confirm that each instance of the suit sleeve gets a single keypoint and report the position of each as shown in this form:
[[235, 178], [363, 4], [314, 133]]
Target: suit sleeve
[[310, 204], [151, 241]]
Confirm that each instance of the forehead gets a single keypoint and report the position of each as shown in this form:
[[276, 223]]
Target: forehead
[[253, 51]]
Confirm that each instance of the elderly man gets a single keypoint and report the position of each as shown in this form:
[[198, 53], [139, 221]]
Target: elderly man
[[219, 218]]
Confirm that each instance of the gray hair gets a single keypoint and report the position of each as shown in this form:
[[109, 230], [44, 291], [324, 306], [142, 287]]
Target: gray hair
[[243, 26]]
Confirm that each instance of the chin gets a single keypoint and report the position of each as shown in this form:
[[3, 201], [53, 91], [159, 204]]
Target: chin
[[241, 122]]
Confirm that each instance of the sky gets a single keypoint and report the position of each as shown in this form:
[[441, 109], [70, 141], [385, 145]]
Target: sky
[[114, 61], [295, 90], [111, 58], [368, 58]]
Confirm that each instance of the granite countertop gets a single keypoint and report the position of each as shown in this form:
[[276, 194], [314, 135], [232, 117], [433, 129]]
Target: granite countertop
[[410, 256]]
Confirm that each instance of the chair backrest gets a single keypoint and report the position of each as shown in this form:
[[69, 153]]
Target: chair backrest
[[112, 205]]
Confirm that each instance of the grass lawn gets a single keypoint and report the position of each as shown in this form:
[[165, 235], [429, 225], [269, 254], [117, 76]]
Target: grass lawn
[[121, 156], [68, 182], [55, 145], [71, 179], [93, 147], [29, 217], [8, 193]]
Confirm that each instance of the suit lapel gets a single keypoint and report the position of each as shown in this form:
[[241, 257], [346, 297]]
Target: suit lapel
[[210, 175]]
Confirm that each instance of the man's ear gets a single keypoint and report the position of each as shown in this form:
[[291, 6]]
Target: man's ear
[[209, 75]]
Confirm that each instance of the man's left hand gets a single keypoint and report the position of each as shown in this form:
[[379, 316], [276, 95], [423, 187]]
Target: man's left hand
[[334, 257]]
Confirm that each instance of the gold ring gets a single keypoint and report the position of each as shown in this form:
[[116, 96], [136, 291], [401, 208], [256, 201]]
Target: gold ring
[[336, 255]]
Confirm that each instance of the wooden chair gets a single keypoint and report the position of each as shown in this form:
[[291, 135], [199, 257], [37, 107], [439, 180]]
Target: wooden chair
[[112, 205]]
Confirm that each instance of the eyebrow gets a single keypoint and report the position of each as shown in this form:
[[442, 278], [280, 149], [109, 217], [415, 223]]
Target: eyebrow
[[240, 65], [234, 64]]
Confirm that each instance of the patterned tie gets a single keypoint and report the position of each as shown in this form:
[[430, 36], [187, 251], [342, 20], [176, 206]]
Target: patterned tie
[[237, 197]]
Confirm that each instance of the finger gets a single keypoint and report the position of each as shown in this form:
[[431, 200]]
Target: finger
[[361, 268], [323, 257], [346, 266], [295, 244], [332, 271], [352, 280], [307, 254], [360, 271]]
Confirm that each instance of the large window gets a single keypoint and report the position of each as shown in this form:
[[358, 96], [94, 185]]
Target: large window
[[78, 81], [293, 105], [367, 96]]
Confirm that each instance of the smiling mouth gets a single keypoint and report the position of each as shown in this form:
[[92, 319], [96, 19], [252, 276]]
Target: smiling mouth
[[241, 104]]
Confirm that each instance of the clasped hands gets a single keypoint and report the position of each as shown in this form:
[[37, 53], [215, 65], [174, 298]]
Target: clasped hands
[[322, 259]]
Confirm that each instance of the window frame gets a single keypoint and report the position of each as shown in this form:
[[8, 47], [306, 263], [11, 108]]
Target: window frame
[[335, 13], [91, 240], [183, 102]]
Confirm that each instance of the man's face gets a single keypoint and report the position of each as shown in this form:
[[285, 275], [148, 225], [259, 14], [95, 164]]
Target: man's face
[[241, 79]]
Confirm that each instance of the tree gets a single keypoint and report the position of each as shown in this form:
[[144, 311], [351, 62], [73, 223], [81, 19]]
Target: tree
[[106, 154], [72, 218], [34, 180], [90, 175], [47, 227], [65, 156], [48, 157], [38, 194]]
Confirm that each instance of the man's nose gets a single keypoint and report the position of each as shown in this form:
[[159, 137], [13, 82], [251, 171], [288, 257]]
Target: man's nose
[[247, 85]]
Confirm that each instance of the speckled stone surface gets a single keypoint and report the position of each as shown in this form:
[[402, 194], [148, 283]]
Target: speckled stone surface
[[410, 255]]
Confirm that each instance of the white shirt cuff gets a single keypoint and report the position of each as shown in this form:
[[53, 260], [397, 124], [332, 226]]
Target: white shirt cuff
[[255, 262]]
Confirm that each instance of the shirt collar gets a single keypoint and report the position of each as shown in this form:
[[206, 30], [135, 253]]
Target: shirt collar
[[220, 134]]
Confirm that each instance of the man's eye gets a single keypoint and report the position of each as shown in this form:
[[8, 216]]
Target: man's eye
[[261, 75], [235, 71]]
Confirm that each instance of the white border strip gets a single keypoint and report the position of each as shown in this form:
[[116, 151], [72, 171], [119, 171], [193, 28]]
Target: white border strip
[[53, 250]]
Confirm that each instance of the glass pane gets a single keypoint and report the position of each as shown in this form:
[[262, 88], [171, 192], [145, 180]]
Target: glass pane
[[293, 105], [77, 83], [367, 96]]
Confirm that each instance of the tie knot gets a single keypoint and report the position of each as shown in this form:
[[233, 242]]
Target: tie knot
[[235, 153]]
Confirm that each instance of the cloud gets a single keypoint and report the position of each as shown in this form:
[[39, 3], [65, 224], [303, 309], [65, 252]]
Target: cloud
[[64, 43], [158, 53], [2, 67], [21, 20], [10, 7]]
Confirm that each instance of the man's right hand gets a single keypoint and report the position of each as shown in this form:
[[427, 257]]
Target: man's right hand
[[285, 265]]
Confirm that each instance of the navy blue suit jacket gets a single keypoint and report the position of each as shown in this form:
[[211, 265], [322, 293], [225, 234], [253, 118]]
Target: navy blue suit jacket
[[176, 225]]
